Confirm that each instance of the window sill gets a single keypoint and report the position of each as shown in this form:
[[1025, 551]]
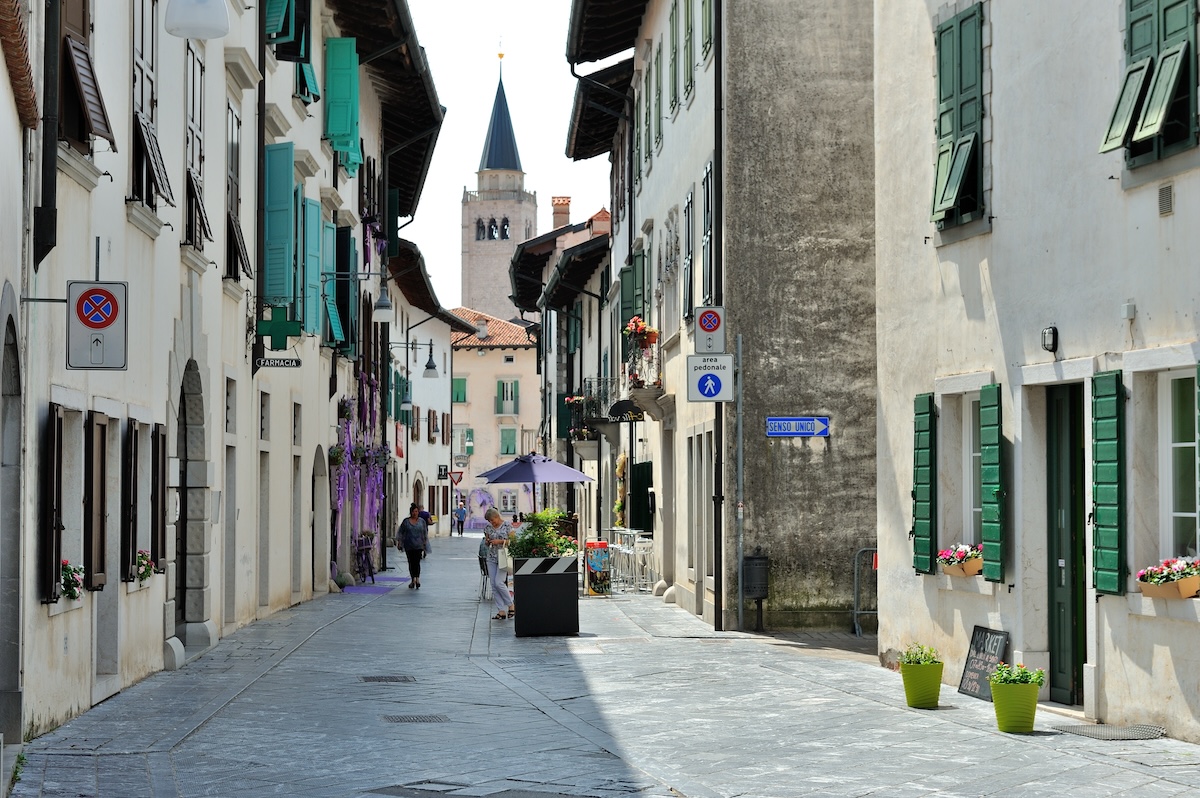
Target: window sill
[[143, 218], [1157, 171], [976, 585], [233, 289], [689, 96], [137, 586], [962, 232], [1166, 609], [78, 168], [64, 605], [275, 122], [194, 259], [300, 107]]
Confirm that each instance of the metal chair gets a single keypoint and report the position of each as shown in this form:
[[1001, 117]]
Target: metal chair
[[485, 585]]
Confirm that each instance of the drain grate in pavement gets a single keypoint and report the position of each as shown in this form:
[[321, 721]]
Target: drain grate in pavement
[[389, 679], [416, 718], [428, 789], [1101, 731], [533, 661]]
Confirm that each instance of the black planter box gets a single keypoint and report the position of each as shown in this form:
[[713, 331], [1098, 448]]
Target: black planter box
[[546, 591]]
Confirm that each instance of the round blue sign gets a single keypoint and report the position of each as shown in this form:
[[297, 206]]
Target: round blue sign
[[709, 385]]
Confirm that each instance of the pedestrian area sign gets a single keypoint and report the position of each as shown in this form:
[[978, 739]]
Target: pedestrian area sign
[[710, 378]]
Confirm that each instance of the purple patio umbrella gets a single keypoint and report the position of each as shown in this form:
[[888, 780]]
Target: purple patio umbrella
[[533, 468]]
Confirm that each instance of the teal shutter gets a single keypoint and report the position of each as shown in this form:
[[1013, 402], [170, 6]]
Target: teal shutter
[[993, 488], [1133, 86], [516, 397], [306, 78], [1108, 486], [277, 12], [458, 389], [279, 224], [1162, 91], [312, 266], [341, 92], [329, 298], [626, 308], [564, 417], [924, 494], [964, 149], [354, 157], [470, 440], [499, 397], [508, 441], [393, 222]]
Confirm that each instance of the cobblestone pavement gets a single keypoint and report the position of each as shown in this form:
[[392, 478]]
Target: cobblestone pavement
[[419, 693]]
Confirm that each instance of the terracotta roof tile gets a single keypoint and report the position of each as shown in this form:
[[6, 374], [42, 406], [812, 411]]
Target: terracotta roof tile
[[501, 334]]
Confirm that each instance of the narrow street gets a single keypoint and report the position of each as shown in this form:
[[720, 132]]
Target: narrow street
[[387, 691]]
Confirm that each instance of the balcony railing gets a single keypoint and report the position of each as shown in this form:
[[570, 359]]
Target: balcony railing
[[599, 393]]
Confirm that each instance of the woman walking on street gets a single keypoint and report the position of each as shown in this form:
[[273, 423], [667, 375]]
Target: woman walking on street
[[496, 536], [413, 537]]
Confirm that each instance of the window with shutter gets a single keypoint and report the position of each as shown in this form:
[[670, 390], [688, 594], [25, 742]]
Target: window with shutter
[[958, 180], [158, 498], [50, 501], [293, 44], [81, 104], [1108, 485], [924, 494], [563, 416], [992, 483], [1154, 116], [470, 441], [673, 76], [1177, 462], [458, 390], [129, 501], [508, 440], [313, 245], [415, 431], [341, 93], [279, 200], [95, 501]]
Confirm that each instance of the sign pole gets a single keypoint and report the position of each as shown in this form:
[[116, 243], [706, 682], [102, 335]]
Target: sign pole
[[737, 376]]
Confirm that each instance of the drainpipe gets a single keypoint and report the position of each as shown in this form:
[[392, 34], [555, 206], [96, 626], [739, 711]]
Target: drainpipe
[[45, 216], [260, 227], [719, 298]]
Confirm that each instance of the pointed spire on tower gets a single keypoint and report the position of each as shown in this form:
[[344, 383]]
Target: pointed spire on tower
[[500, 147]]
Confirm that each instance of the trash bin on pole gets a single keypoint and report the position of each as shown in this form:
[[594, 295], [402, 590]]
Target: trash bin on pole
[[754, 580]]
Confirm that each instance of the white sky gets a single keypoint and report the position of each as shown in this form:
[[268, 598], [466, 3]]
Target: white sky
[[461, 40]]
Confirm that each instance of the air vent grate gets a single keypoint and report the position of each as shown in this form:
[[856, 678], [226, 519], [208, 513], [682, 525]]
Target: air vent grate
[[388, 679], [1100, 731], [416, 719], [1166, 199]]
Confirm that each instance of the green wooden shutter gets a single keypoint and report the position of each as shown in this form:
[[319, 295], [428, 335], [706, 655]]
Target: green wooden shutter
[[508, 441], [992, 484], [1162, 91], [341, 92], [458, 389], [312, 266], [964, 150], [1108, 485], [564, 417], [639, 284], [276, 15], [626, 308], [393, 222], [1133, 86], [516, 397], [469, 438], [279, 223], [329, 299], [960, 101], [499, 397], [924, 494]]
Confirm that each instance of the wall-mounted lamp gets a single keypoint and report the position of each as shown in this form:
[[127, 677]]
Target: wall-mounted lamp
[[1050, 339], [430, 366], [384, 311], [197, 19]]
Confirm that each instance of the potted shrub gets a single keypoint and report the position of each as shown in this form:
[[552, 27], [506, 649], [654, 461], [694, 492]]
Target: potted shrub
[[921, 670], [1014, 696], [545, 576], [961, 560], [1175, 577]]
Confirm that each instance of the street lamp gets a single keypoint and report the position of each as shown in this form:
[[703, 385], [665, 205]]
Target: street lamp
[[197, 19], [430, 366], [384, 311]]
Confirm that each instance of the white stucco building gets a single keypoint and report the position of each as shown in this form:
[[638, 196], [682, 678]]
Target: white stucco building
[[1038, 341]]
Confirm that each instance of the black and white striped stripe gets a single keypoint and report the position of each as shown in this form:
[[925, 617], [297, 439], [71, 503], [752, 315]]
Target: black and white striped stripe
[[547, 565]]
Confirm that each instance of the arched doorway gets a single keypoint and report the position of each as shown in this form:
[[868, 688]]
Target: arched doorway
[[10, 536], [193, 528]]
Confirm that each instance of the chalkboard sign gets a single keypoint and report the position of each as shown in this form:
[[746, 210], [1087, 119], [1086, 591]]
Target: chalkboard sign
[[989, 647]]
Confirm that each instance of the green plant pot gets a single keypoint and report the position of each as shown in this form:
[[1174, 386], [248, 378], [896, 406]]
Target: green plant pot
[[1015, 705], [922, 684]]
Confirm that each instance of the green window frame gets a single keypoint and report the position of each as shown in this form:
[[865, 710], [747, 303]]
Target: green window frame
[[673, 78], [563, 418], [958, 173], [993, 486], [308, 90], [508, 440], [279, 232], [458, 390], [706, 27], [689, 47], [1154, 116], [924, 492], [649, 119], [1108, 484]]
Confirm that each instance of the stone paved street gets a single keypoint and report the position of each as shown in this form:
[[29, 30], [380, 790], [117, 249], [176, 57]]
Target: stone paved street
[[419, 693]]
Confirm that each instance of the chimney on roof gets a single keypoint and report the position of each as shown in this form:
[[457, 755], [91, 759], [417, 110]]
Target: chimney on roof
[[562, 211], [481, 330]]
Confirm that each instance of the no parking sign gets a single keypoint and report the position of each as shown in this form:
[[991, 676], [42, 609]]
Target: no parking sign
[[97, 325]]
